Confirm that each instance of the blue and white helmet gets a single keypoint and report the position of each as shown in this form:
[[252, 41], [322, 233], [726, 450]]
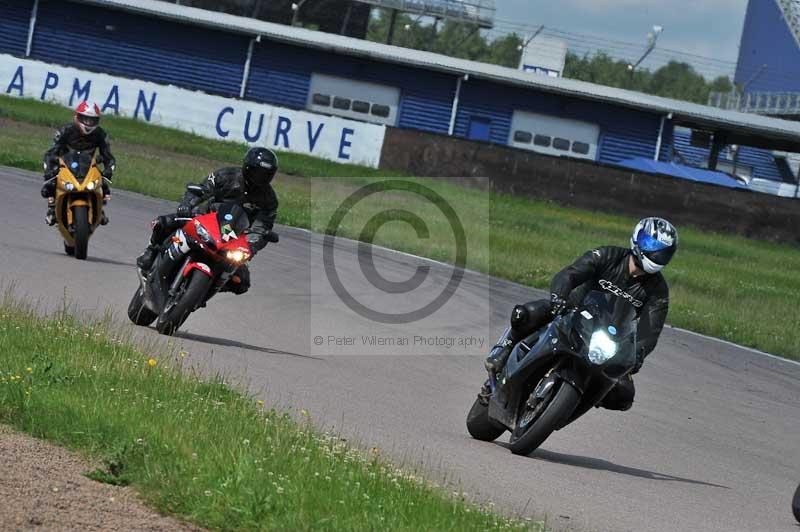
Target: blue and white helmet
[[653, 243]]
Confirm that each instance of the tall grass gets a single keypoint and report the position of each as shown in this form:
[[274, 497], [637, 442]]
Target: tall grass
[[199, 449]]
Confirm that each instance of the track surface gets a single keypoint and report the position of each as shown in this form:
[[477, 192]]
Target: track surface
[[712, 443]]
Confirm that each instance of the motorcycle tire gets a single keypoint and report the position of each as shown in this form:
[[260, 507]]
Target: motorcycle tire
[[525, 441], [138, 312], [480, 426], [80, 222], [69, 250], [796, 504], [193, 295]]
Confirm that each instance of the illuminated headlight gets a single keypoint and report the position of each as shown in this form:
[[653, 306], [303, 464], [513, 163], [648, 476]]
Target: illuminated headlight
[[91, 185], [203, 233], [601, 348], [237, 255], [69, 186]]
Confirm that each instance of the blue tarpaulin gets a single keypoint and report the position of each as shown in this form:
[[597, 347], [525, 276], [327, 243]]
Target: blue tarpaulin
[[684, 172]]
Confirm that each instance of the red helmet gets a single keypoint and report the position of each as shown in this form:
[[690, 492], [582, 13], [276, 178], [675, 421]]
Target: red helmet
[[87, 117]]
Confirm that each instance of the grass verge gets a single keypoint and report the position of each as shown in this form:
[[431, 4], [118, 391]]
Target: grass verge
[[730, 287], [199, 449]]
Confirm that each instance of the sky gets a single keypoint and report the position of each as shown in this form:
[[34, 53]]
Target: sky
[[710, 28]]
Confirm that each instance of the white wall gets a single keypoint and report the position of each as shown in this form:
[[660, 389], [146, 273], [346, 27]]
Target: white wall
[[328, 137]]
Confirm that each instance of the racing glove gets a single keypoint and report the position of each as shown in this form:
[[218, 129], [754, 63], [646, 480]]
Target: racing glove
[[558, 305], [184, 211]]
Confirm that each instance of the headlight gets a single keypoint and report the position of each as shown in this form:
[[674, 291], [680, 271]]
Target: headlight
[[203, 233], [69, 186], [601, 348], [91, 185], [237, 255]]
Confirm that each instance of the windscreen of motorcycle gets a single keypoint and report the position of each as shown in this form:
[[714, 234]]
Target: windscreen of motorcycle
[[606, 324], [232, 220], [78, 162]]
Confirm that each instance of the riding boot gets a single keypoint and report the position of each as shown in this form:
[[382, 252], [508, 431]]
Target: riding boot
[[145, 260], [50, 217], [499, 354]]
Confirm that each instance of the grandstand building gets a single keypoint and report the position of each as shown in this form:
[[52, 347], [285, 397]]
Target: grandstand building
[[297, 68]]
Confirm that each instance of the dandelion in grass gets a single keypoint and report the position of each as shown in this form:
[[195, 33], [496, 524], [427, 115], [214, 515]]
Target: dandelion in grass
[[152, 362], [29, 370]]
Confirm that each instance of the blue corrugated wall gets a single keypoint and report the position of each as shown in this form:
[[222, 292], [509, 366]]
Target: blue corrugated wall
[[281, 74], [136, 46], [767, 40], [140, 47], [14, 20], [624, 133]]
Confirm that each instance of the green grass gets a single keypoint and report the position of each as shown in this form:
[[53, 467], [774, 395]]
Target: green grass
[[730, 287], [199, 449]]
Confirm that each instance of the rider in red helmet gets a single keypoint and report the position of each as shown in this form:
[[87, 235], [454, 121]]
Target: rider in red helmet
[[84, 133]]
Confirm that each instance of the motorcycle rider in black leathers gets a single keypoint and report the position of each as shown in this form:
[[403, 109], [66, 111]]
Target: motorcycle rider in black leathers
[[633, 274], [249, 186], [84, 133]]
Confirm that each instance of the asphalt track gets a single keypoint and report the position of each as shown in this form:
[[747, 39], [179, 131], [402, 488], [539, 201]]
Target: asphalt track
[[712, 443]]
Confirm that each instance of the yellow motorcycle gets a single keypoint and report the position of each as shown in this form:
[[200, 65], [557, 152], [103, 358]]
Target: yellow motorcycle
[[79, 200]]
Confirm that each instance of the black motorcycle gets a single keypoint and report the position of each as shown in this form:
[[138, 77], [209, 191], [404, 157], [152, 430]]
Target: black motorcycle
[[796, 504], [558, 373]]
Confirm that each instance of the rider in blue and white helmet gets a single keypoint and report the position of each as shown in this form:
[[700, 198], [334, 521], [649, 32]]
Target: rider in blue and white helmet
[[633, 274], [653, 242]]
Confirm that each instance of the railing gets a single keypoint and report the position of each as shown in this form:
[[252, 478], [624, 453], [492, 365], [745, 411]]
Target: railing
[[479, 12], [791, 12], [765, 103]]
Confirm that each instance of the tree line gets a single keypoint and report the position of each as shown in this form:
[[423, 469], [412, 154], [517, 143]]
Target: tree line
[[676, 79]]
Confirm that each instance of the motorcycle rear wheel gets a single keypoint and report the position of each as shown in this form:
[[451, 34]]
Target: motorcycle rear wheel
[[480, 426], [524, 440], [189, 299], [80, 221], [138, 312], [796, 504]]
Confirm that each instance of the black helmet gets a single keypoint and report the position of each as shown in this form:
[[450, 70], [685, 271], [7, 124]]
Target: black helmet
[[259, 167], [653, 243]]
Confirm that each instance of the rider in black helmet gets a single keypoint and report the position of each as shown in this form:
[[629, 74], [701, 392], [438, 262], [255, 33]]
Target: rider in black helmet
[[248, 185], [633, 274]]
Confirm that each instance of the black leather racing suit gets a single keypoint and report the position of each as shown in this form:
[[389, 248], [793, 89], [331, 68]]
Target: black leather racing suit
[[222, 186], [604, 268], [68, 138]]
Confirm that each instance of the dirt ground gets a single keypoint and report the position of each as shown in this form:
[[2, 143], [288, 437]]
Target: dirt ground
[[42, 487]]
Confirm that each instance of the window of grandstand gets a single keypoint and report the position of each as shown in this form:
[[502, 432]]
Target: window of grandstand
[[360, 107], [553, 135], [561, 144], [381, 110], [523, 136], [321, 99], [341, 103], [360, 100]]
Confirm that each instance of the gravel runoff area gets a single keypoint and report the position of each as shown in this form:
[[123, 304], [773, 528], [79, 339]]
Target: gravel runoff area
[[42, 487]]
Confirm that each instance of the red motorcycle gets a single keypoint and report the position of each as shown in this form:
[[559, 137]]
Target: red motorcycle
[[196, 262]]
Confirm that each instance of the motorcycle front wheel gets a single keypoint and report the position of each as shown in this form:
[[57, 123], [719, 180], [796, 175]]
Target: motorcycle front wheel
[[80, 221], [138, 313], [529, 434], [480, 426], [186, 301]]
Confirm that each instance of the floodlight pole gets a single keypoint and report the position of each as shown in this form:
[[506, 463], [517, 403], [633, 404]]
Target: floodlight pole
[[392, 20], [652, 38], [296, 8]]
